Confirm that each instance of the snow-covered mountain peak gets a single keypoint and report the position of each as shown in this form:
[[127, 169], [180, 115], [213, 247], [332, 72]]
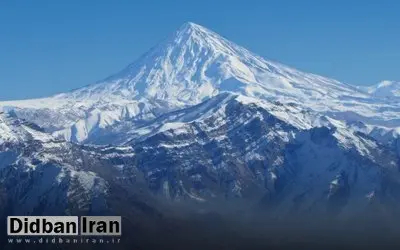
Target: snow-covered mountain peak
[[386, 83], [190, 28], [385, 89], [196, 63], [188, 67], [191, 34]]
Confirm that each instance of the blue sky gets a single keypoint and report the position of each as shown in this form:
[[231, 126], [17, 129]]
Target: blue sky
[[49, 46]]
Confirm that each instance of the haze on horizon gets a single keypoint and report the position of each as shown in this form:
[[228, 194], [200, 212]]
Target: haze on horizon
[[49, 47]]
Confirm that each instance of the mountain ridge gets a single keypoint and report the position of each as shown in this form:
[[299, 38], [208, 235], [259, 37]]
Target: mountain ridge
[[384, 89]]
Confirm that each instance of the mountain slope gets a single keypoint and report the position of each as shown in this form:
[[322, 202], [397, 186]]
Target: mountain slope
[[235, 147], [40, 175], [384, 89], [13, 129]]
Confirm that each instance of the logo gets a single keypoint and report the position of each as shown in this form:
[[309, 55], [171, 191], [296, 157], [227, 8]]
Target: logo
[[64, 225]]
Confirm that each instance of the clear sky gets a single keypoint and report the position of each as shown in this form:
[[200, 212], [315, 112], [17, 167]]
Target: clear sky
[[51, 46]]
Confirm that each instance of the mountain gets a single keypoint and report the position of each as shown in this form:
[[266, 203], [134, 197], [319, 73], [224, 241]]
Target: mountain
[[196, 63], [384, 89], [199, 122], [191, 65], [202, 139]]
